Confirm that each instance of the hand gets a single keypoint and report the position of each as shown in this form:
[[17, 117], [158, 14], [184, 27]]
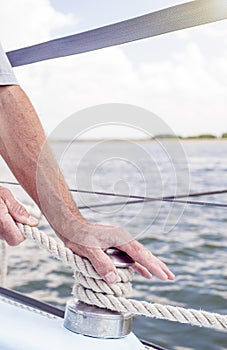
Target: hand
[[92, 240], [11, 211]]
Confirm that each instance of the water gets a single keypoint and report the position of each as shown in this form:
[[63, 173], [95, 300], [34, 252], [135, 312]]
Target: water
[[190, 239]]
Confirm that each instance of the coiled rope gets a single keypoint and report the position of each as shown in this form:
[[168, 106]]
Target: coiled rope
[[91, 289]]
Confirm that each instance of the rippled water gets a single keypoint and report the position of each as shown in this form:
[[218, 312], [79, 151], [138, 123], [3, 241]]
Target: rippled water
[[190, 239]]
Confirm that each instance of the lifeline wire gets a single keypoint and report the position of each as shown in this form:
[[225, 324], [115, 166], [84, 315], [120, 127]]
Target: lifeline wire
[[206, 204], [143, 199]]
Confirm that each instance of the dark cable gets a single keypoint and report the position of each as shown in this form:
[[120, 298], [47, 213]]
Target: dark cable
[[142, 199], [145, 198], [207, 204]]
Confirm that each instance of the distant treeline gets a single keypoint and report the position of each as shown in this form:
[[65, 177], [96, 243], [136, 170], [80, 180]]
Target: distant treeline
[[195, 137], [161, 136]]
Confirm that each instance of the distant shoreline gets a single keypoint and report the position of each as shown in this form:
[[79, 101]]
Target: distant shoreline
[[202, 137]]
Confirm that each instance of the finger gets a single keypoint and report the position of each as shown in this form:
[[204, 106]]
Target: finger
[[144, 257], [9, 230], [103, 265], [100, 261], [169, 273], [142, 270], [18, 212]]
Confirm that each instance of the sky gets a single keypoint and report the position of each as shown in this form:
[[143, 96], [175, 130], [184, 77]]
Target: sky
[[181, 77]]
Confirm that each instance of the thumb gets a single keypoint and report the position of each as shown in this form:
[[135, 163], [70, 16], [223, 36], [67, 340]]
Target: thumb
[[20, 214], [103, 265]]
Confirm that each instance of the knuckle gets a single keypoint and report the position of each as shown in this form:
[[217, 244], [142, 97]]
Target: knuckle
[[4, 192], [2, 207], [101, 262], [18, 209], [4, 221], [162, 264], [122, 231], [138, 248], [11, 235], [14, 240], [11, 239]]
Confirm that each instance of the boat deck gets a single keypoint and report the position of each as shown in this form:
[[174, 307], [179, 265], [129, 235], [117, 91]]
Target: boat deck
[[22, 329]]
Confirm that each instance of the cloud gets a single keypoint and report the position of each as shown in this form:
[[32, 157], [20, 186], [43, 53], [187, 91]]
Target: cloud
[[187, 88], [26, 22]]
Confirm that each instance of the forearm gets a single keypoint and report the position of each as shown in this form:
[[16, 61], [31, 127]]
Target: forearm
[[24, 148]]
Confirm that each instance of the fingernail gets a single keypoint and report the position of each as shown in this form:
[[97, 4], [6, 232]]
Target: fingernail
[[164, 277], [111, 277], [172, 275], [32, 221]]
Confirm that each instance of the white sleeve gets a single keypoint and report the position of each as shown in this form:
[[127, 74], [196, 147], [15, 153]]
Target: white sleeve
[[7, 76]]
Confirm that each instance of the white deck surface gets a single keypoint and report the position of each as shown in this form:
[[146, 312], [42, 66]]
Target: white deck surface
[[25, 330]]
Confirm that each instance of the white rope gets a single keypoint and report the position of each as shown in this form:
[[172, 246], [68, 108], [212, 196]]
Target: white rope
[[27, 307], [91, 289], [3, 263]]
